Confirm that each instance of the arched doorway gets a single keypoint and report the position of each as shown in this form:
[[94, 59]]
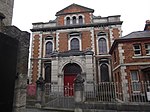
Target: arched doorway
[[70, 72]]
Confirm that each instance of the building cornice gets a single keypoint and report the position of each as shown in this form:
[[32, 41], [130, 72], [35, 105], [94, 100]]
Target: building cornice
[[77, 26]]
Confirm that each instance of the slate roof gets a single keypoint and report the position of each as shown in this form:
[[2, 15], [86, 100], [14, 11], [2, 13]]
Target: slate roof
[[76, 5], [137, 34]]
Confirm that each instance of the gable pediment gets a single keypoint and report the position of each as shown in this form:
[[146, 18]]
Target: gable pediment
[[74, 8]]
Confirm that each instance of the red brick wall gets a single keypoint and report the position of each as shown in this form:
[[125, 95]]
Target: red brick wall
[[63, 42], [117, 62], [116, 33], [86, 40], [35, 55], [129, 52]]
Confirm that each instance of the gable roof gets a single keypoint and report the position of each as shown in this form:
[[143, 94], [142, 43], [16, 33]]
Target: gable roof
[[86, 9]]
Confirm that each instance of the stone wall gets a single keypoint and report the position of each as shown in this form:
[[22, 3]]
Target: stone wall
[[6, 7], [22, 66]]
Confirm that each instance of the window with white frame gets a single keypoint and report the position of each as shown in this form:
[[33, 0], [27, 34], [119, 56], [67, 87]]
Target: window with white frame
[[102, 46], [49, 47], [104, 71], [74, 20], [102, 43], [75, 44], [135, 80], [80, 20], [137, 49], [147, 48], [68, 21], [74, 41]]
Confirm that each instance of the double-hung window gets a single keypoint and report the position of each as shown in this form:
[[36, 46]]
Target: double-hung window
[[137, 49], [135, 80], [147, 48]]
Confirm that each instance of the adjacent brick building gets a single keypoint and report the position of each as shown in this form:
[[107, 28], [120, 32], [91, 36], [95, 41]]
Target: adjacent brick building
[[76, 42], [131, 63]]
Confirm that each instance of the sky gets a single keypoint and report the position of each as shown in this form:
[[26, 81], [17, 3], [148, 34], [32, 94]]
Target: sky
[[133, 13]]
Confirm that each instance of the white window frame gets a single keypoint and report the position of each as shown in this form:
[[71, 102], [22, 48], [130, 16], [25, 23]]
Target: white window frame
[[147, 49], [65, 20], [82, 18], [46, 41], [71, 19], [99, 37], [135, 81], [69, 42], [109, 71], [135, 50]]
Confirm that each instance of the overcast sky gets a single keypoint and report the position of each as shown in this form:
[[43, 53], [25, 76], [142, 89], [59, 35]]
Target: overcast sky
[[133, 13]]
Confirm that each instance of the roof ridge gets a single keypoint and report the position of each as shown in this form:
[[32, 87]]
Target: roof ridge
[[58, 13]]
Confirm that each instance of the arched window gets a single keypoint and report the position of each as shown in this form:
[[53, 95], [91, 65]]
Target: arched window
[[49, 48], [104, 71], [102, 46], [48, 73], [74, 20], [68, 21], [80, 20], [74, 44]]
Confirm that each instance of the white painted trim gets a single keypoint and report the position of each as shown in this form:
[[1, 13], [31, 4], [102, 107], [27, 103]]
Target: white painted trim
[[140, 57], [131, 64], [71, 18], [57, 41], [77, 37], [92, 39]]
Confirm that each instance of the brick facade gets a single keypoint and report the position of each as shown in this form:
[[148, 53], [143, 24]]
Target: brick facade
[[126, 59], [87, 31]]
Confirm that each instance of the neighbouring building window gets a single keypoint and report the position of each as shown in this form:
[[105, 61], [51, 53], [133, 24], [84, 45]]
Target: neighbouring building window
[[135, 81], [104, 71], [74, 44], [68, 21], [74, 20], [47, 72], [137, 49], [102, 46], [80, 20], [49, 48], [147, 48]]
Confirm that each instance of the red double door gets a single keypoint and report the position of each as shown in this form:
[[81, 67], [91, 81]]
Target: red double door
[[69, 84]]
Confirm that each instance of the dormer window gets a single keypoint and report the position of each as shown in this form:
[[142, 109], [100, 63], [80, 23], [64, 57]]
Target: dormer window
[[80, 20], [74, 20], [68, 21]]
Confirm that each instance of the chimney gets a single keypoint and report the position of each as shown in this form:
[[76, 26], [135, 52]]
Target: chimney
[[147, 25]]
